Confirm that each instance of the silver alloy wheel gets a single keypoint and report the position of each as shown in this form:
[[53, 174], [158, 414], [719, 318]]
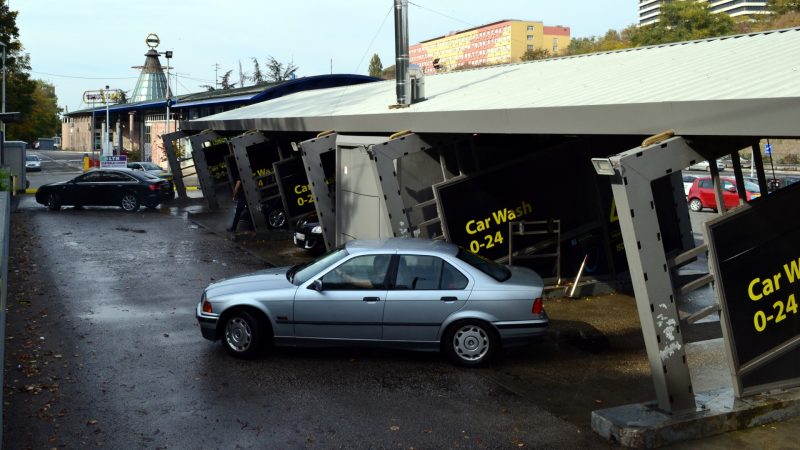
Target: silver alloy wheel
[[129, 202], [238, 334], [52, 202], [695, 205], [471, 342]]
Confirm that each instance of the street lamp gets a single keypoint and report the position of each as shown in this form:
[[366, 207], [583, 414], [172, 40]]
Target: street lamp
[[106, 150], [168, 55]]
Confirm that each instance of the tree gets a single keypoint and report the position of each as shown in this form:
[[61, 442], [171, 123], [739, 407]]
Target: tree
[[225, 82], [780, 7], [276, 71], [19, 86], [388, 73], [375, 66], [257, 77], [242, 76], [43, 119], [683, 21], [532, 54]]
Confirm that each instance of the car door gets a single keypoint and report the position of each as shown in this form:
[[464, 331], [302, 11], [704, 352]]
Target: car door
[[113, 185], [83, 191], [349, 305], [729, 194], [427, 289], [706, 192]]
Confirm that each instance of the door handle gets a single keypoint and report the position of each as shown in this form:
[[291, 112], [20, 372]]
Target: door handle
[[372, 299], [449, 299]]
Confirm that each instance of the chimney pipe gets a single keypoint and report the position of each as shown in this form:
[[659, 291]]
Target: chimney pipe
[[401, 51]]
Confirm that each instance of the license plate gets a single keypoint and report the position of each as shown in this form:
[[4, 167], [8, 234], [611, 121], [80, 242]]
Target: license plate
[[300, 236]]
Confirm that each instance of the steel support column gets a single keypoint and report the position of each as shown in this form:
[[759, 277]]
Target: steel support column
[[384, 156], [634, 171], [311, 152], [201, 166], [174, 161], [252, 193]]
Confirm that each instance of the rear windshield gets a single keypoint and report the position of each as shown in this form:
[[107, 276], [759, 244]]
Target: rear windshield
[[491, 268], [150, 166]]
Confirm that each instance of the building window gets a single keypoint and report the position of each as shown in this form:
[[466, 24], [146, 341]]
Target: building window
[[555, 45], [530, 47], [530, 27], [530, 37]]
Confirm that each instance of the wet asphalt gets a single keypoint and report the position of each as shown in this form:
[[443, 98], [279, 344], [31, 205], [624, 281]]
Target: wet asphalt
[[103, 351]]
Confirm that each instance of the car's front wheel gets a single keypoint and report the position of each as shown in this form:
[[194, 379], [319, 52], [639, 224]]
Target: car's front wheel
[[276, 218], [695, 205], [53, 202], [470, 343], [242, 335], [129, 202]]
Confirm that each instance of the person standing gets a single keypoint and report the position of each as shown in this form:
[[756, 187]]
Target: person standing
[[241, 204]]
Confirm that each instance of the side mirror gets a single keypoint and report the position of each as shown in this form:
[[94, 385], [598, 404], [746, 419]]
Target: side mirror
[[731, 189], [316, 285]]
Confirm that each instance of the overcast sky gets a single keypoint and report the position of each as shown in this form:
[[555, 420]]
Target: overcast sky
[[81, 45]]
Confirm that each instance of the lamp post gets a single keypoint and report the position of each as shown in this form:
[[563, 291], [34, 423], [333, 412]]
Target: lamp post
[[168, 55], [106, 150]]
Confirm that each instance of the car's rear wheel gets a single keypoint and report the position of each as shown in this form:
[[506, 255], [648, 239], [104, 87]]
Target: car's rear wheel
[[242, 335], [695, 205], [151, 205], [129, 202], [470, 343], [53, 202]]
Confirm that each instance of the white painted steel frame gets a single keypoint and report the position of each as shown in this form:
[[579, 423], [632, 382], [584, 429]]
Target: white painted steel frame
[[201, 166], [311, 151], [252, 193]]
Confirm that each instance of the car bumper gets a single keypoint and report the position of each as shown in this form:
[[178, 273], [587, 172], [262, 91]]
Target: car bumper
[[305, 241], [518, 333], [208, 323]]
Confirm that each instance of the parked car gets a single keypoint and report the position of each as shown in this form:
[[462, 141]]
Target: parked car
[[701, 194], [33, 163], [410, 293], [687, 183], [152, 169], [308, 234], [728, 161], [703, 165], [127, 189]]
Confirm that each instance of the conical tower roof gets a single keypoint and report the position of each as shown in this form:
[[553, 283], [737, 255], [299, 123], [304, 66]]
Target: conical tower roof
[[152, 83]]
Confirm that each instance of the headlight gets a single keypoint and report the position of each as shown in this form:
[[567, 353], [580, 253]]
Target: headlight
[[317, 229]]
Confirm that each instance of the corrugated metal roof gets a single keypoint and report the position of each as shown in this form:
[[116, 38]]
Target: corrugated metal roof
[[736, 85]]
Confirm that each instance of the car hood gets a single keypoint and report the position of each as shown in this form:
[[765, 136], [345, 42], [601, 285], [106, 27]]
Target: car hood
[[57, 183], [263, 280]]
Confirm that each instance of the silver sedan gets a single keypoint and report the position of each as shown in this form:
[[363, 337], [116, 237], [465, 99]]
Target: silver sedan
[[404, 293]]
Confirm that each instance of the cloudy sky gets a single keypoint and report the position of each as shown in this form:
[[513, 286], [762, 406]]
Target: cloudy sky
[[83, 45]]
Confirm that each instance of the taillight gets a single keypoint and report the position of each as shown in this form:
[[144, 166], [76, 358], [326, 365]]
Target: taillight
[[537, 308], [153, 187]]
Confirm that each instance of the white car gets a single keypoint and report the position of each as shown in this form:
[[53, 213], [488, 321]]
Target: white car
[[33, 163], [703, 165], [687, 183]]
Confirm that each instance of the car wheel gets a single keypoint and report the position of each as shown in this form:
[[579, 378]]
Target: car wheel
[[53, 202], [470, 343], [129, 202], [242, 337], [695, 205], [151, 205], [276, 218]]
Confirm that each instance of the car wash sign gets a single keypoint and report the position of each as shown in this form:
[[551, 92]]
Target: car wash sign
[[113, 162], [755, 253]]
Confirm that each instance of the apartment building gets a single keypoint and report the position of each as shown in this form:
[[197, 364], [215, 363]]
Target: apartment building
[[649, 10], [499, 42]]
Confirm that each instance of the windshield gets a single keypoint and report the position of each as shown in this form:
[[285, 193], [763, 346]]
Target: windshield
[[491, 268], [298, 275], [31, 158], [150, 166], [752, 187]]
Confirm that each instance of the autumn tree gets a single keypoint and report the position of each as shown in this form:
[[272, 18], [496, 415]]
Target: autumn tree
[[779, 7], [19, 86], [43, 118], [683, 21], [375, 66], [532, 54]]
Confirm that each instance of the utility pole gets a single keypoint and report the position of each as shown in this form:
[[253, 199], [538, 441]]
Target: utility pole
[[216, 76]]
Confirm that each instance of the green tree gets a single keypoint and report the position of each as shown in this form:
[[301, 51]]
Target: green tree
[[532, 54], [225, 82], [375, 66], [257, 77], [19, 86], [683, 20], [780, 7], [277, 71], [43, 118]]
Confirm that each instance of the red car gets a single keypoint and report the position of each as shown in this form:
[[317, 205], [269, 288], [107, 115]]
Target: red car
[[701, 194]]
